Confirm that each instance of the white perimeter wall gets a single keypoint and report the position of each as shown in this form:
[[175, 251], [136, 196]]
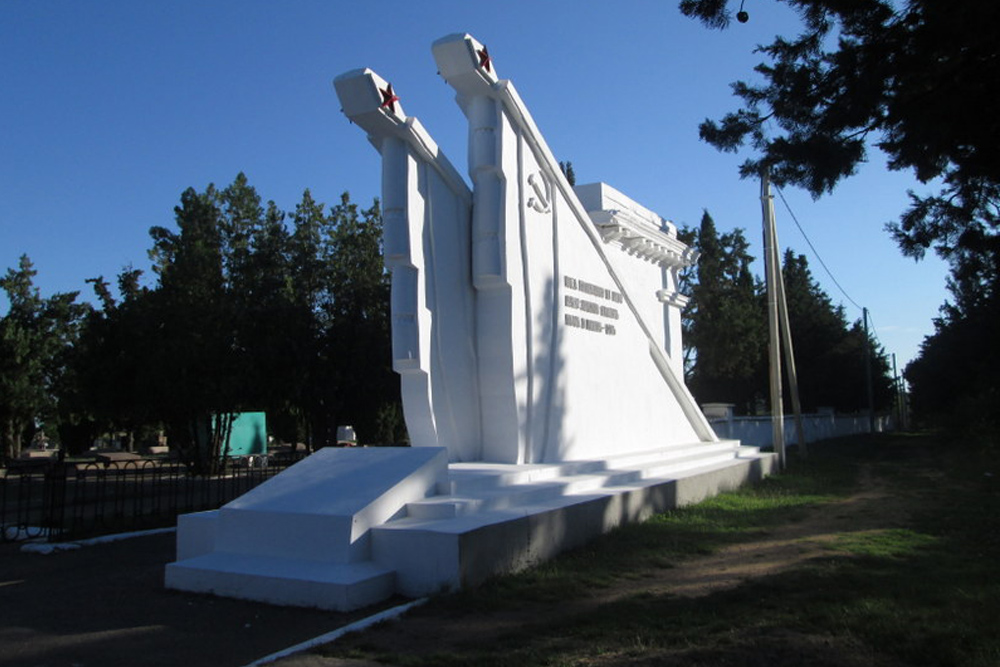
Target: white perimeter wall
[[756, 431]]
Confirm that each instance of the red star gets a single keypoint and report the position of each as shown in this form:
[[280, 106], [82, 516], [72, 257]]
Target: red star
[[389, 98], [484, 59]]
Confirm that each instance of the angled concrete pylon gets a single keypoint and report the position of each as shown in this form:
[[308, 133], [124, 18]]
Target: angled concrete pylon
[[426, 211], [575, 370], [536, 332]]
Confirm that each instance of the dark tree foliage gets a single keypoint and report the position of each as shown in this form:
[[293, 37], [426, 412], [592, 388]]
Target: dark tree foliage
[[726, 335], [830, 354], [195, 357], [358, 336], [110, 363], [567, 170], [314, 384], [954, 382], [916, 80], [725, 330], [36, 338], [252, 309]]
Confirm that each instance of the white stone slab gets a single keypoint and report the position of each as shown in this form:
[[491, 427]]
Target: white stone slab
[[300, 583], [569, 368], [333, 498], [425, 212], [348, 481], [196, 533]]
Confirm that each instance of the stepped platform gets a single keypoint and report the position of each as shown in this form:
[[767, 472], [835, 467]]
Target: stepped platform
[[348, 528]]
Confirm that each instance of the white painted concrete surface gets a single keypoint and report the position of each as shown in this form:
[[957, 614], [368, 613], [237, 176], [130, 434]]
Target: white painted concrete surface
[[536, 333]]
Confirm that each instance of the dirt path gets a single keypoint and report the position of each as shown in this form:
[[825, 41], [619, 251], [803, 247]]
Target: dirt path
[[785, 547]]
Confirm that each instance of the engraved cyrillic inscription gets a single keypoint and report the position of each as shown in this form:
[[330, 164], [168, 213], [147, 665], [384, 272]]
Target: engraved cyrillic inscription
[[591, 306]]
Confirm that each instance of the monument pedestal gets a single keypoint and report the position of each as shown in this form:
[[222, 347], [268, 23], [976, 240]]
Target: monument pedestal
[[484, 519]]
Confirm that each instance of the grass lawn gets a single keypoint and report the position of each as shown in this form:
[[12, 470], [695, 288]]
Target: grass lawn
[[876, 550]]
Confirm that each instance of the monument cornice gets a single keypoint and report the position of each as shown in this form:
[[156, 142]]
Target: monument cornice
[[673, 298], [638, 238]]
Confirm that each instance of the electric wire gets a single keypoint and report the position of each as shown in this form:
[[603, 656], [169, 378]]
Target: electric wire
[[823, 264], [816, 252], [871, 323], [871, 320]]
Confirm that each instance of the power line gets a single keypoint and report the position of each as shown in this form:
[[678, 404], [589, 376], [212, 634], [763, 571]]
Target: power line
[[816, 252], [871, 320], [828, 272]]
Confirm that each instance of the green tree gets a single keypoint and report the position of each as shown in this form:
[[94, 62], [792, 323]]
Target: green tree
[[829, 353], [567, 170], [725, 330], [953, 379], [194, 356], [111, 365], [257, 276], [358, 335], [36, 336], [913, 79], [308, 321], [252, 310]]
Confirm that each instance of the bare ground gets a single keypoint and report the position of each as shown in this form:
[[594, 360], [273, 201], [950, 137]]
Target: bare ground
[[105, 605]]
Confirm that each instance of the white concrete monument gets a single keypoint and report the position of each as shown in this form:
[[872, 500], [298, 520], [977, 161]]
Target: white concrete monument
[[536, 332]]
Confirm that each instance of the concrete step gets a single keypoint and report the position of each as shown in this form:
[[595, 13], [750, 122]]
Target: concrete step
[[464, 478], [500, 505], [466, 548], [673, 453], [747, 451], [486, 488], [285, 581]]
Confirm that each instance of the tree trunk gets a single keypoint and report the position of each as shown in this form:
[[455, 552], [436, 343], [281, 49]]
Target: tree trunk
[[8, 438], [12, 438], [223, 429]]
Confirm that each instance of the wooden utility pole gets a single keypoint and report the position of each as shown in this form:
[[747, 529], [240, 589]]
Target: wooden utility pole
[[779, 331], [774, 351], [868, 375], [897, 388], [786, 341]]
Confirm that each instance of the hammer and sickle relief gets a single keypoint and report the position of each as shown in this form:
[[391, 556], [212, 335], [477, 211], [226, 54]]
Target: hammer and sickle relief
[[542, 201]]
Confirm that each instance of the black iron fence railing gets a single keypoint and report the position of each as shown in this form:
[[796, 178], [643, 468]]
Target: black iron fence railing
[[67, 501]]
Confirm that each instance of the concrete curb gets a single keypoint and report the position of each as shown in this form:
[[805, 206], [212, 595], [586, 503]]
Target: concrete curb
[[384, 615], [53, 547]]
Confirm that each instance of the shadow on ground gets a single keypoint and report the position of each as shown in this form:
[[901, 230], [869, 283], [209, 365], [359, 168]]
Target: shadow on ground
[[105, 605]]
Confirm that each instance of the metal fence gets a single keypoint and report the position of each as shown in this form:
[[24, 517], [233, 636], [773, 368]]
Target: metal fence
[[66, 501]]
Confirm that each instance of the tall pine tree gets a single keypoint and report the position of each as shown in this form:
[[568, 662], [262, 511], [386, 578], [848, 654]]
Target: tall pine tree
[[726, 330], [830, 353]]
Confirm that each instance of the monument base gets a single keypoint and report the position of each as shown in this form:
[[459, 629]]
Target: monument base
[[438, 532]]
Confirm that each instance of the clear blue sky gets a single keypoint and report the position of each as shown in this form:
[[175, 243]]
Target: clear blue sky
[[109, 110]]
